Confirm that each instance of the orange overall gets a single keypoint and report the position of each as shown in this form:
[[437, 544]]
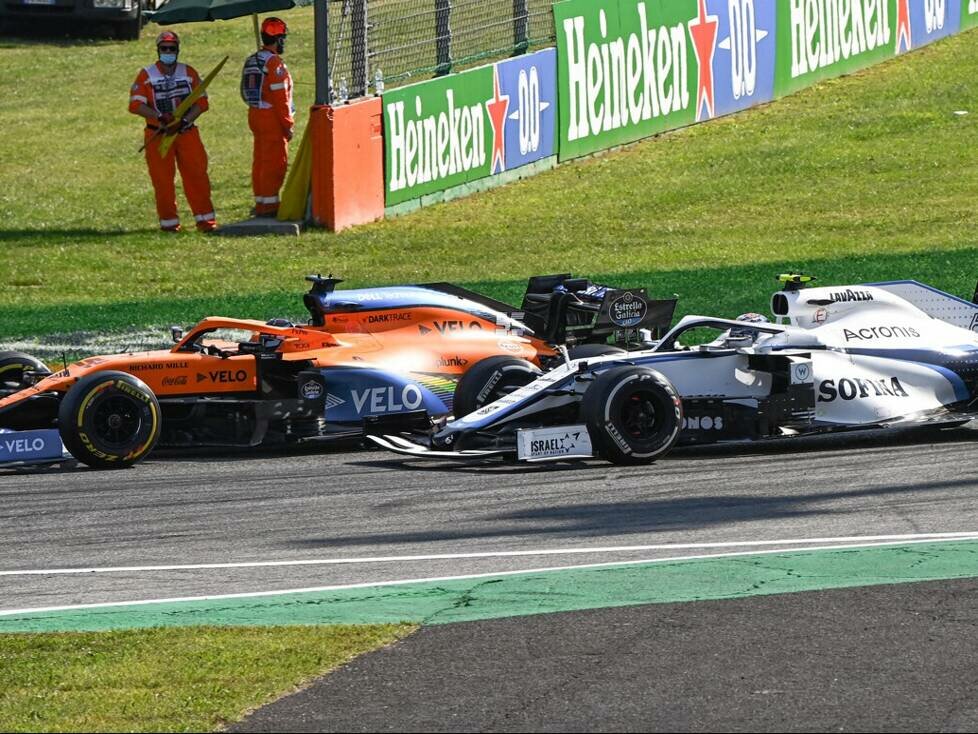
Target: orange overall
[[164, 94], [266, 86]]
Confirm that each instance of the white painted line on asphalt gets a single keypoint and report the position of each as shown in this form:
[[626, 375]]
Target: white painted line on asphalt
[[497, 574], [490, 554]]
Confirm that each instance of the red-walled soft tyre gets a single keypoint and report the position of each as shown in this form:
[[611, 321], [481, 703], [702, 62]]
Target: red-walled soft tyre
[[109, 420]]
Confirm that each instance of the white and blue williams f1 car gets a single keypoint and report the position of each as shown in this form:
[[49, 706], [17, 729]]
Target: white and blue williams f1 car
[[835, 358]]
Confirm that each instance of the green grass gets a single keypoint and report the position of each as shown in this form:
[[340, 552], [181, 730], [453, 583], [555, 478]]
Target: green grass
[[173, 679], [862, 177]]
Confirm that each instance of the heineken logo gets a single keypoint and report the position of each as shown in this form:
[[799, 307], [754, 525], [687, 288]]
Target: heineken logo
[[636, 67], [623, 81], [455, 129], [436, 145], [828, 31]]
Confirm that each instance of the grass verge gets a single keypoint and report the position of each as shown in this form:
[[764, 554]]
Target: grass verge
[[724, 291], [176, 679], [867, 167]]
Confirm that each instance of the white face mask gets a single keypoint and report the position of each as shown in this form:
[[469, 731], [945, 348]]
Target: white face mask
[[168, 58]]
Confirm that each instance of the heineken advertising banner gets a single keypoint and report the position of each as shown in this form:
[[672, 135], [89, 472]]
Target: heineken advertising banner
[[448, 131], [632, 68], [628, 69], [825, 38]]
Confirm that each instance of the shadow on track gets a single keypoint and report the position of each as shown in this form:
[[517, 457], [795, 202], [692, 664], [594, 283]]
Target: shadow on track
[[852, 441], [642, 517], [369, 456]]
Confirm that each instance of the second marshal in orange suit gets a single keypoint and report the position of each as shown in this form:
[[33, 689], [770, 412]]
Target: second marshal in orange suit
[[266, 87], [157, 92]]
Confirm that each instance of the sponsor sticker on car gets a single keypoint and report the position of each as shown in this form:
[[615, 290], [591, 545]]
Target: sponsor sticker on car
[[801, 371], [561, 442], [30, 446], [628, 310]]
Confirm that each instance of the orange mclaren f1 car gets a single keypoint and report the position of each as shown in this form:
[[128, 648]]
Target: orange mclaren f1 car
[[364, 353]]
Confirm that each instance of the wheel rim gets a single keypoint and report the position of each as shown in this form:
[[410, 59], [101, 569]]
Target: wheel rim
[[116, 421], [639, 416]]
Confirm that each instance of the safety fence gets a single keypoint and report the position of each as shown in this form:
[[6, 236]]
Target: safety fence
[[378, 44]]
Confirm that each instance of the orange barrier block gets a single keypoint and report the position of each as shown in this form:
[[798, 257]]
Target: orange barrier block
[[347, 164]]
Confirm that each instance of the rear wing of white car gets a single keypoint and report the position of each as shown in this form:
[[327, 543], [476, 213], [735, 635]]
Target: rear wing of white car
[[935, 303]]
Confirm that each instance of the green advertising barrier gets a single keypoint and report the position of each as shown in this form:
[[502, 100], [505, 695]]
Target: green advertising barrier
[[434, 134], [443, 134], [625, 70], [820, 40], [628, 69], [969, 14]]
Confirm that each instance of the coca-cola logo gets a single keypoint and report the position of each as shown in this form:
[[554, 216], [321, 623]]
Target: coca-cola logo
[[175, 381]]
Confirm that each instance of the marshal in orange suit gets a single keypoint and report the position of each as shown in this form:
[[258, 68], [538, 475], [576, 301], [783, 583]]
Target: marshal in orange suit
[[266, 87], [156, 94]]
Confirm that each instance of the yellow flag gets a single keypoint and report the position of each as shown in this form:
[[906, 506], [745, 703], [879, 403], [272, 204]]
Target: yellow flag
[[184, 106], [295, 193]]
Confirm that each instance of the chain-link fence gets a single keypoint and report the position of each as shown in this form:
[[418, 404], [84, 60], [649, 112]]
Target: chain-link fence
[[373, 44]]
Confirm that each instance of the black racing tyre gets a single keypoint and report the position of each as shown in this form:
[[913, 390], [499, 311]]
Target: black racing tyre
[[13, 365], [109, 420], [633, 414], [587, 351], [490, 379]]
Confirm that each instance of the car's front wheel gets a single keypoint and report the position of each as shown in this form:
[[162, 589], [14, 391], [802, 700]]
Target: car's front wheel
[[109, 420], [490, 379], [633, 414]]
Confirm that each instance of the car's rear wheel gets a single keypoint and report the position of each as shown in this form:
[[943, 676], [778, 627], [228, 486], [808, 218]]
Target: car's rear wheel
[[633, 414], [13, 366], [490, 379], [109, 420]]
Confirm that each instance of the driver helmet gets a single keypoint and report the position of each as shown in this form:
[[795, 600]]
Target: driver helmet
[[748, 318]]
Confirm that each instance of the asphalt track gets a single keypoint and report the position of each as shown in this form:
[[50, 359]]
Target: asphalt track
[[311, 519], [335, 512]]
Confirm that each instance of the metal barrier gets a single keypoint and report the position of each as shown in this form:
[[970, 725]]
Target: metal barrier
[[376, 44]]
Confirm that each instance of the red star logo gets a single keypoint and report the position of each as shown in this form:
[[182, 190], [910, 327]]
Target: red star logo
[[903, 25], [497, 108], [704, 30]]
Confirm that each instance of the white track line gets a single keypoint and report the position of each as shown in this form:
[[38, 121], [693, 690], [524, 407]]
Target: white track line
[[497, 574], [491, 554]]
